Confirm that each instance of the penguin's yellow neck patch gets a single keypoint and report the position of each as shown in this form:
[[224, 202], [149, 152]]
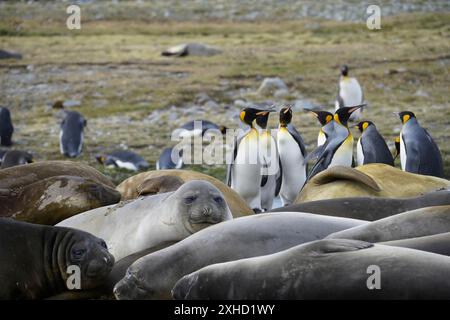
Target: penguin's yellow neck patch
[[406, 117], [336, 118]]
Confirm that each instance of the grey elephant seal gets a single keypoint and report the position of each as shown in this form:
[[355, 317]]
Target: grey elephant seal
[[410, 224], [153, 276], [35, 259], [136, 225], [368, 208], [54, 199], [321, 270], [436, 243]]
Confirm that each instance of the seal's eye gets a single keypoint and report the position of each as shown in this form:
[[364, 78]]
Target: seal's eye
[[78, 253], [218, 200], [190, 199], [103, 244]]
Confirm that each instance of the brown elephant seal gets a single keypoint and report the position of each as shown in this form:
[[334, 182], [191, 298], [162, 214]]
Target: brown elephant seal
[[369, 208], [410, 224], [138, 224], [436, 243], [326, 269], [371, 180], [154, 275], [54, 199], [35, 260], [158, 181], [17, 177]]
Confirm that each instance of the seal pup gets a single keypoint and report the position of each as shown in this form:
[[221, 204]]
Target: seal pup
[[154, 275], [135, 225], [35, 259], [321, 270]]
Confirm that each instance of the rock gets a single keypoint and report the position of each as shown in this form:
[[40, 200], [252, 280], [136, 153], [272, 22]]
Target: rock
[[190, 49], [271, 85], [9, 55]]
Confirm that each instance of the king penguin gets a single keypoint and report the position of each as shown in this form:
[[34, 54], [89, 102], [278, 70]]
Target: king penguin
[[292, 157], [6, 127], [338, 149], [271, 175], [324, 118], [371, 147], [244, 171], [349, 93], [418, 151]]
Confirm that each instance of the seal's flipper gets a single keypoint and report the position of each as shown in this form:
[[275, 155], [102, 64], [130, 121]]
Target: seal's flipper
[[345, 173], [159, 184], [339, 245]]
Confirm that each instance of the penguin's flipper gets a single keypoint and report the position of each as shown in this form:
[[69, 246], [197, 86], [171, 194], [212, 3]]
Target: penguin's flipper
[[298, 138], [279, 179]]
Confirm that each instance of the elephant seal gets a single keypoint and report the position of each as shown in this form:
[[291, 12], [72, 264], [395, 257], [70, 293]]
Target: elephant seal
[[135, 225], [17, 177], [35, 259], [410, 224], [54, 199], [371, 180], [153, 276], [436, 243], [321, 270], [369, 208], [134, 186]]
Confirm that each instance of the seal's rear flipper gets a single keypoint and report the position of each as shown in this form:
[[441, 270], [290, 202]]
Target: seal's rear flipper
[[345, 173], [339, 245]]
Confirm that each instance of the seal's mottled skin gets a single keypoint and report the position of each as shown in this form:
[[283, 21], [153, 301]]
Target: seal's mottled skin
[[34, 259], [369, 208], [135, 225], [326, 269], [371, 180], [410, 224], [54, 199], [152, 182], [153, 276]]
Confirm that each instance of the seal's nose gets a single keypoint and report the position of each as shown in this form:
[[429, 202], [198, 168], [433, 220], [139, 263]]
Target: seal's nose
[[207, 211]]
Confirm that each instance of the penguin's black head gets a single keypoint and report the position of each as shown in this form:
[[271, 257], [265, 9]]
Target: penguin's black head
[[342, 115], [285, 116], [344, 70], [262, 117], [323, 116], [405, 116], [363, 125], [248, 115]]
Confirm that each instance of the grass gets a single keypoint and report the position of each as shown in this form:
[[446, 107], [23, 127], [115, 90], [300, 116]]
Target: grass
[[115, 69]]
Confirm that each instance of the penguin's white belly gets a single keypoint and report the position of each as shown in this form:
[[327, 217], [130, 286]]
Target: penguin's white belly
[[321, 138], [126, 165], [246, 174], [402, 153], [294, 168], [359, 154], [343, 156], [350, 92]]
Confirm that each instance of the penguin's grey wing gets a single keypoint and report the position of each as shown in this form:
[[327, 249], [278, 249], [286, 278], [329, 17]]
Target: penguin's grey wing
[[298, 138], [230, 165], [413, 154]]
